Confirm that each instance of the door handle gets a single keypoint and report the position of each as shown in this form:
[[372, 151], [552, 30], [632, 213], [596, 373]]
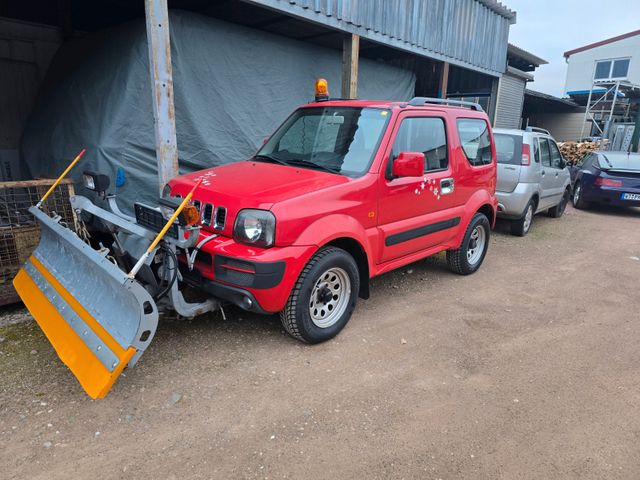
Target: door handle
[[446, 186], [509, 168]]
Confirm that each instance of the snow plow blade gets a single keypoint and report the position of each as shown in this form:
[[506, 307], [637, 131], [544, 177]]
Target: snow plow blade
[[97, 319]]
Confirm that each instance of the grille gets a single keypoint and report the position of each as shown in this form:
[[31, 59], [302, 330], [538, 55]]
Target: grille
[[197, 204], [207, 214], [221, 218], [152, 219]]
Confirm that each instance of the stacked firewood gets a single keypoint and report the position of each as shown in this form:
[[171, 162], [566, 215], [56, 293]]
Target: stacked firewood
[[574, 151]]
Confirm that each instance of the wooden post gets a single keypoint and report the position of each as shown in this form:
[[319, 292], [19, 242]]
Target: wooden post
[[350, 55], [157, 16], [444, 80]]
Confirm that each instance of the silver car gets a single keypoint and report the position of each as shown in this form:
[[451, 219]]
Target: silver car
[[532, 176]]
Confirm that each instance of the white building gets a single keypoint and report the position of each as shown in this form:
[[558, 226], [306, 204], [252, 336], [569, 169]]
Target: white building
[[616, 58]]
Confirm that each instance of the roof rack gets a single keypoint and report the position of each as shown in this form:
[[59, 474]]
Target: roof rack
[[537, 129], [419, 101]]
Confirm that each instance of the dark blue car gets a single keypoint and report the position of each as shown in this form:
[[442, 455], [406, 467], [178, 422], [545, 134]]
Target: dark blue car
[[610, 178]]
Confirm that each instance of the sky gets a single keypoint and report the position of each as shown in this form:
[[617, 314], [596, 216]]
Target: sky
[[548, 28]]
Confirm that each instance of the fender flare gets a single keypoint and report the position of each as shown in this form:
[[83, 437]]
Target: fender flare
[[478, 200], [333, 227]]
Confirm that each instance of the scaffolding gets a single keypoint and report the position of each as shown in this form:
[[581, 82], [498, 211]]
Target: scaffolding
[[609, 100]]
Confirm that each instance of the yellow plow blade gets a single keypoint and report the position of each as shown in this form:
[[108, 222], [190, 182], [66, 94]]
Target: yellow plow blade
[[97, 319]]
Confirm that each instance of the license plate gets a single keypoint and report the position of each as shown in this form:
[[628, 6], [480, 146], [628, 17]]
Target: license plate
[[631, 196]]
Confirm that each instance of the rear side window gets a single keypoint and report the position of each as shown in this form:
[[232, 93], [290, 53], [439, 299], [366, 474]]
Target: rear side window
[[475, 140], [545, 154], [508, 148], [556, 157], [426, 135]]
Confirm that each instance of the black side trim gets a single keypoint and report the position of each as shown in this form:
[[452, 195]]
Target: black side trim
[[245, 273], [407, 235]]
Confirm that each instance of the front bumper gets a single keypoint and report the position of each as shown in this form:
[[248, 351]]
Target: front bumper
[[255, 279], [511, 205]]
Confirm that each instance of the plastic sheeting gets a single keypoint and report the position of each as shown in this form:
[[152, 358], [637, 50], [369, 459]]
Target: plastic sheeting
[[233, 86]]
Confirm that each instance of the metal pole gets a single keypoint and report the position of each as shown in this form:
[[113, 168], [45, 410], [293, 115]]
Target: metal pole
[[586, 112], [613, 104], [157, 16], [635, 139]]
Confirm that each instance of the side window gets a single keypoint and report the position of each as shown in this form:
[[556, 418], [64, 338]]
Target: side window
[[545, 154], [586, 161], [556, 156], [475, 140], [536, 151], [426, 135]]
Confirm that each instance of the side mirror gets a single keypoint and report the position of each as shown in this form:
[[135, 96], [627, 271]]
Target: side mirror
[[408, 164]]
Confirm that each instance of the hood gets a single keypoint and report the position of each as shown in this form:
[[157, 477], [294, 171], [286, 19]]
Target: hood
[[255, 184], [252, 185]]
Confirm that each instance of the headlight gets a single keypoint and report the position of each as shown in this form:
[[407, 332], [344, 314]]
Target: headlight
[[255, 227]]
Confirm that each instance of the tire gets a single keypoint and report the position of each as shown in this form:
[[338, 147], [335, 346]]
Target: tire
[[522, 226], [558, 210], [467, 259], [313, 314], [576, 199]]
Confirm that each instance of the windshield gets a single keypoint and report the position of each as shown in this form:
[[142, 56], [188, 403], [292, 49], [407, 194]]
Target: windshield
[[336, 139], [508, 148]]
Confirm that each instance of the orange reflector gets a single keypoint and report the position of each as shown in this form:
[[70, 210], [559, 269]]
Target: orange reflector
[[190, 215], [322, 89]]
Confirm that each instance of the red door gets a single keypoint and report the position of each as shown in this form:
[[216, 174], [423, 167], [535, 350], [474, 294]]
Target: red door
[[415, 213]]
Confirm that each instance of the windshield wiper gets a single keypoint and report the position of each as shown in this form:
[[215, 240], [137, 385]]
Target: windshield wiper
[[309, 163], [271, 158]]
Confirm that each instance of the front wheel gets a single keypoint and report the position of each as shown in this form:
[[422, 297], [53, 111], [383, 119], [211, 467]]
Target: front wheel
[[323, 298], [468, 258]]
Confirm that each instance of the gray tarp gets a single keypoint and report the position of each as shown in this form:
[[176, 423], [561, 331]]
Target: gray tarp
[[232, 85]]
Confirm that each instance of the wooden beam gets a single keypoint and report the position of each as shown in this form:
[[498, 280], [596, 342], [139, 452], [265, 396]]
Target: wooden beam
[[444, 80], [157, 16], [350, 56]]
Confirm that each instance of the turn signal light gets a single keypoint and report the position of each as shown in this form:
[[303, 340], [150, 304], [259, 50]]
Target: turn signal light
[[526, 154], [607, 182], [189, 215], [322, 90]]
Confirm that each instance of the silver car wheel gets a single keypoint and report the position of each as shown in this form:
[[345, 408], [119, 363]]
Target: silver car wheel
[[330, 297], [528, 217], [576, 194], [477, 241]]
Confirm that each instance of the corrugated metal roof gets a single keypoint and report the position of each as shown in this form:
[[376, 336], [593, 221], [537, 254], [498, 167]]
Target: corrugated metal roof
[[527, 56], [468, 33]]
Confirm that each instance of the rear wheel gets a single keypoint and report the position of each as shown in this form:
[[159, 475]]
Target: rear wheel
[[521, 226], [468, 258], [323, 298], [578, 201], [558, 210]]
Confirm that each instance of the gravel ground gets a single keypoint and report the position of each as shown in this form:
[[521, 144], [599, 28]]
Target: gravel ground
[[527, 369]]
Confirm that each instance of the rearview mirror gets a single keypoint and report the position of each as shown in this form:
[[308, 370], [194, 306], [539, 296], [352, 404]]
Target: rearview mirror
[[408, 164]]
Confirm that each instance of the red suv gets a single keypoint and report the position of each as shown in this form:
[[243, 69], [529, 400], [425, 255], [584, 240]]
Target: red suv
[[344, 191]]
